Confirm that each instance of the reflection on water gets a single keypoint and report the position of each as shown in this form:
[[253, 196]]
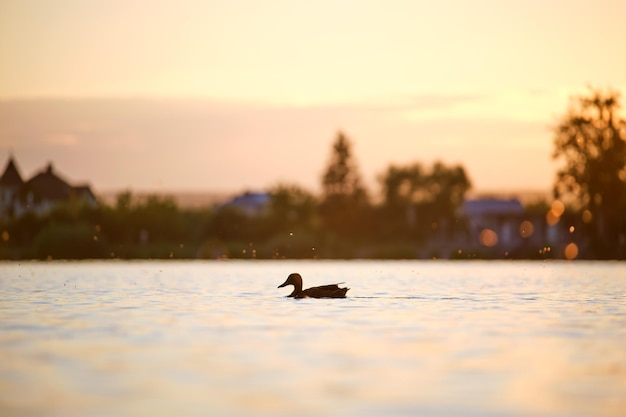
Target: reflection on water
[[218, 338]]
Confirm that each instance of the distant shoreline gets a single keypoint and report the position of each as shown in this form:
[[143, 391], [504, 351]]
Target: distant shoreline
[[183, 199], [201, 199]]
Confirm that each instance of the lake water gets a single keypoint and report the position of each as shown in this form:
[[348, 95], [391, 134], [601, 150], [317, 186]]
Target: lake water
[[423, 338]]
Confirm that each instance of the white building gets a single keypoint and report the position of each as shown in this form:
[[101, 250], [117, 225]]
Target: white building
[[499, 218]]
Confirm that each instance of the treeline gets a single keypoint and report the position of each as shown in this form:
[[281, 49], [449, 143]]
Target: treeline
[[416, 213], [343, 223]]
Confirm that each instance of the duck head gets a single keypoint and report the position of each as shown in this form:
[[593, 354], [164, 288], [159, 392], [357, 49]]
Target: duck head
[[293, 279]]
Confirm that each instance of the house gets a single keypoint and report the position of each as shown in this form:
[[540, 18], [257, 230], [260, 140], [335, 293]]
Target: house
[[249, 203], [40, 194], [11, 184], [494, 222]]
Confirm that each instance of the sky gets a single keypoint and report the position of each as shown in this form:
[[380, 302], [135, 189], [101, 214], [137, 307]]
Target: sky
[[241, 95]]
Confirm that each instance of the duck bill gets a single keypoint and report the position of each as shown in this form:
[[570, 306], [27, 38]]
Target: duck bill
[[284, 284]]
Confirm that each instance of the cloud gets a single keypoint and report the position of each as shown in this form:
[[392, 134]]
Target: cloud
[[402, 102], [199, 144], [61, 139]]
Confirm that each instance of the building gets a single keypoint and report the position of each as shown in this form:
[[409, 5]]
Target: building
[[250, 203], [40, 194], [494, 222]]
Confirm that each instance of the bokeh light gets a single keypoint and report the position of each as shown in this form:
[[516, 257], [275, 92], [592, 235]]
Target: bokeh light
[[571, 251], [488, 238], [557, 208], [526, 229], [551, 219], [554, 214]]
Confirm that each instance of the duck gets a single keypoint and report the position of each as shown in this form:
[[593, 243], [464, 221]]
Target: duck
[[323, 291]]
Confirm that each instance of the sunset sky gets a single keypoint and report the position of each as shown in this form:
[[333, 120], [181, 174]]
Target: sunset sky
[[233, 95]]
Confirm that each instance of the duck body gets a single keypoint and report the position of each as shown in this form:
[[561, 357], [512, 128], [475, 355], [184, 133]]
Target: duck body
[[323, 291]]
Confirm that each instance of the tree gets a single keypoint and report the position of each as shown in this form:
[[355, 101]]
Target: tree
[[292, 222], [291, 208], [591, 139], [342, 177], [417, 201], [344, 202], [399, 184], [448, 186]]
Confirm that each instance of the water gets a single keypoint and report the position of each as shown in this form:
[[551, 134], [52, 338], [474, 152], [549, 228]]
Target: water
[[428, 338]]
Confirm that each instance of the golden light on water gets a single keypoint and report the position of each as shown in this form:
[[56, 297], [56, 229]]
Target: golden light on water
[[526, 229], [488, 238], [571, 251], [269, 356]]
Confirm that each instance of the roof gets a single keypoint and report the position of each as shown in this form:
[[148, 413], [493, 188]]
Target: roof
[[492, 207], [84, 191], [250, 198], [250, 203], [48, 185], [11, 176]]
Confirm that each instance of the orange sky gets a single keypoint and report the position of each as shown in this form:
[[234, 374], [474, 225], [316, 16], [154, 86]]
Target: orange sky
[[242, 94]]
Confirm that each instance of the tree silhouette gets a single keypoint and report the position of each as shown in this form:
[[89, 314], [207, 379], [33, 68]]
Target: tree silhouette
[[342, 177], [448, 186], [344, 202], [591, 139], [399, 184], [417, 201], [291, 208]]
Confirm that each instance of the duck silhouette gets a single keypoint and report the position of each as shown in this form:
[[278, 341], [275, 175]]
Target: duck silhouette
[[323, 291]]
